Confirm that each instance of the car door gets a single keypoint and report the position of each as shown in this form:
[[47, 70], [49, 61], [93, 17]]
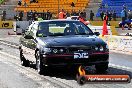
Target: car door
[[29, 44], [32, 42]]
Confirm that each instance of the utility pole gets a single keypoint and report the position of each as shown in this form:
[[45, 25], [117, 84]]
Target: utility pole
[[58, 6]]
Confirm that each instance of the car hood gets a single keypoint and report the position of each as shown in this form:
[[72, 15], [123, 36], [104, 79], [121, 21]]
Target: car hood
[[66, 41]]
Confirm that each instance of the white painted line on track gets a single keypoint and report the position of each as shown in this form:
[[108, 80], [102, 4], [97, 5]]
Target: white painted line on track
[[9, 44], [119, 66], [6, 54], [110, 64]]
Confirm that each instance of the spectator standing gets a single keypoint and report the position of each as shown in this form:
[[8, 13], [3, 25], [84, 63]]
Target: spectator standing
[[84, 14], [30, 15], [25, 4], [36, 17], [109, 15], [44, 15], [21, 16], [124, 7], [40, 18], [101, 15], [34, 12], [106, 5], [114, 15], [105, 17], [62, 14], [78, 13], [67, 14], [19, 3], [91, 15], [3, 15], [129, 14], [123, 15], [49, 15], [74, 13], [16, 17]]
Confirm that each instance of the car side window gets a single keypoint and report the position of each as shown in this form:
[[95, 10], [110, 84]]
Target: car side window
[[32, 29]]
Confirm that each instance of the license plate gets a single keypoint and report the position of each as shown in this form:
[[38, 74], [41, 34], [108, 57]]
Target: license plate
[[80, 55]]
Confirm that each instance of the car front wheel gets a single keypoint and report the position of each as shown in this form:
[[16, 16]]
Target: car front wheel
[[39, 64], [102, 67], [24, 62]]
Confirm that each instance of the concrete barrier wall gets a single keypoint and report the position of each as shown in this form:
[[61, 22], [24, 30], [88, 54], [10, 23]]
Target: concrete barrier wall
[[100, 23], [22, 24], [119, 43], [6, 24]]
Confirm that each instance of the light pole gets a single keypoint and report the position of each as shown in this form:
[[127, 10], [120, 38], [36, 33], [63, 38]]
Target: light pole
[[58, 7]]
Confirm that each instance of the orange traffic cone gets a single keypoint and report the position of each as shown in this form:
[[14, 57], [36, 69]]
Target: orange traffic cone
[[105, 30]]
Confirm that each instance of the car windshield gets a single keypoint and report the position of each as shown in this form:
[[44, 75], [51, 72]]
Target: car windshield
[[63, 28]]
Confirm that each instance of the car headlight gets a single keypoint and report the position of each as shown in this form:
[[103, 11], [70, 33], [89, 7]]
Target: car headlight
[[101, 48], [55, 51], [47, 50], [96, 48], [61, 50], [106, 47]]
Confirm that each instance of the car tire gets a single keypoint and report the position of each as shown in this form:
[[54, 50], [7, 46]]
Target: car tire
[[39, 64], [81, 80], [102, 67], [24, 62]]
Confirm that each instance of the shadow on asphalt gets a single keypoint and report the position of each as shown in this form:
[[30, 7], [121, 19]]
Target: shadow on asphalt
[[70, 74]]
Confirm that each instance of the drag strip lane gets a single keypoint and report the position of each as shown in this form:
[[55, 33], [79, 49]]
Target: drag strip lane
[[60, 78], [44, 81]]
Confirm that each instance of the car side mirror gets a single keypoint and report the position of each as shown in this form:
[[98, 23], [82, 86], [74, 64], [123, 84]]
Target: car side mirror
[[28, 37], [97, 33]]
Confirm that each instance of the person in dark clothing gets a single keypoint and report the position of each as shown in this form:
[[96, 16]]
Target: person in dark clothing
[[84, 14], [3, 15], [91, 15], [109, 15], [125, 15], [101, 15], [67, 14], [19, 3], [16, 17], [129, 14], [74, 13], [49, 15], [72, 4], [78, 13], [34, 12], [31, 15], [81, 13], [21, 16], [114, 16], [44, 15]]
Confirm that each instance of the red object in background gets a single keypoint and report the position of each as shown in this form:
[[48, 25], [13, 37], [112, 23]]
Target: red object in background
[[105, 30], [83, 20], [62, 15]]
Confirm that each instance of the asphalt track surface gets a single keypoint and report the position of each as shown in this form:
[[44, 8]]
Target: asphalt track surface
[[13, 75]]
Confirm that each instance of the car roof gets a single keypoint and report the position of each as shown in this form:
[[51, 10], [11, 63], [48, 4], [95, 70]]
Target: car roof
[[54, 20], [74, 16]]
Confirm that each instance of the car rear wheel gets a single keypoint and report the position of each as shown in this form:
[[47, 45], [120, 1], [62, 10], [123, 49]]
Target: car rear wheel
[[102, 67], [24, 62], [39, 64]]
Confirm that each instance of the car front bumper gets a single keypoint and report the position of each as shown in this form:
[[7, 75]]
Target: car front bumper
[[68, 59]]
